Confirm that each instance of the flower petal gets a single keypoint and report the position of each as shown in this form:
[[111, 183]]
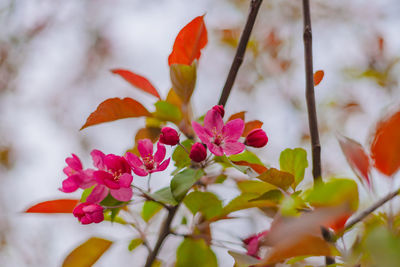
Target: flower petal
[[204, 135], [162, 166], [97, 157], [69, 185], [216, 150], [101, 176], [232, 148], [112, 184], [133, 160], [98, 194], [125, 180], [233, 130], [74, 162], [122, 194], [213, 120], [160, 154], [145, 147], [140, 171]]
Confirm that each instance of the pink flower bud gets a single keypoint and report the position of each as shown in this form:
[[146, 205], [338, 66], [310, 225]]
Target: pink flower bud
[[220, 109], [169, 136], [198, 153], [256, 138], [89, 213]]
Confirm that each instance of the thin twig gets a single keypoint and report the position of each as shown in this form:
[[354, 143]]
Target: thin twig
[[312, 111], [241, 49], [310, 97], [164, 232], [371, 209]]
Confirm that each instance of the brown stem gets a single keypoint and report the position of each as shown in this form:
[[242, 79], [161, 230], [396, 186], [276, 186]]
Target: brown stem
[[164, 232], [241, 49], [310, 97], [371, 209]]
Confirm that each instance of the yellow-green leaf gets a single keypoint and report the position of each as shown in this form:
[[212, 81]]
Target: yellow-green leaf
[[87, 253], [294, 161], [195, 252], [278, 178]]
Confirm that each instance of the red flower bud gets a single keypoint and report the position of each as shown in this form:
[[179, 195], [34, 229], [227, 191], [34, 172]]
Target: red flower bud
[[256, 138], [220, 109], [89, 213], [198, 153], [169, 136]]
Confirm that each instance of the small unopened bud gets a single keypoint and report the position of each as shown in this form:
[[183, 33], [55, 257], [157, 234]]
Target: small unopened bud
[[220, 109], [256, 138], [198, 153], [169, 136]]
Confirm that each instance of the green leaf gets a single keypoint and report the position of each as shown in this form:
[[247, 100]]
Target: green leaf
[[87, 253], [253, 186], [383, 247], [183, 181], [183, 78], [274, 195], [205, 202], [109, 201], [225, 162], [86, 193], [135, 243], [278, 178], [115, 219], [180, 156], [246, 201], [246, 156], [220, 179], [150, 208], [334, 193], [167, 111], [196, 253], [164, 195], [294, 161]]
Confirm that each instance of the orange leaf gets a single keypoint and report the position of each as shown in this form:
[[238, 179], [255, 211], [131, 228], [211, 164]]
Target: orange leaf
[[87, 253], [356, 157], [189, 42], [385, 147], [257, 167], [54, 206], [173, 98], [239, 115], [114, 109], [137, 81], [251, 125], [318, 76]]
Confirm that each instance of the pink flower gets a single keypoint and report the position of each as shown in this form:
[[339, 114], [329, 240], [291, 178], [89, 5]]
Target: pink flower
[[218, 137], [169, 136], [252, 244], [220, 109], [256, 138], [89, 213], [198, 153], [148, 163], [77, 177], [114, 177]]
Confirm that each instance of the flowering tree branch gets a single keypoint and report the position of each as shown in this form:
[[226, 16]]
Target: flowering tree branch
[[312, 112], [371, 209], [310, 97], [241, 49]]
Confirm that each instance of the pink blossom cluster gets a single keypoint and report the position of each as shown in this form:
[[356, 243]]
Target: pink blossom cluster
[[112, 176]]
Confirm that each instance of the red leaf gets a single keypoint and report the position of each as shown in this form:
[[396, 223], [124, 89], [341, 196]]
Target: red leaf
[[356, 157], [239, 115], [189, 42], [114, 109], [54, 206], [251, 125], [385, 147], [137, 81], [318, 76], [256, 167]]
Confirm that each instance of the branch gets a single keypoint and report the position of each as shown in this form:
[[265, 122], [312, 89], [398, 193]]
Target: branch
[[371, 209], [164, 232], [312, 112], [241, 49], [310, 97]]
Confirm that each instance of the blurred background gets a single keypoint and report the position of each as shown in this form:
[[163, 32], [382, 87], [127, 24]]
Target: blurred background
[[55, 61]]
